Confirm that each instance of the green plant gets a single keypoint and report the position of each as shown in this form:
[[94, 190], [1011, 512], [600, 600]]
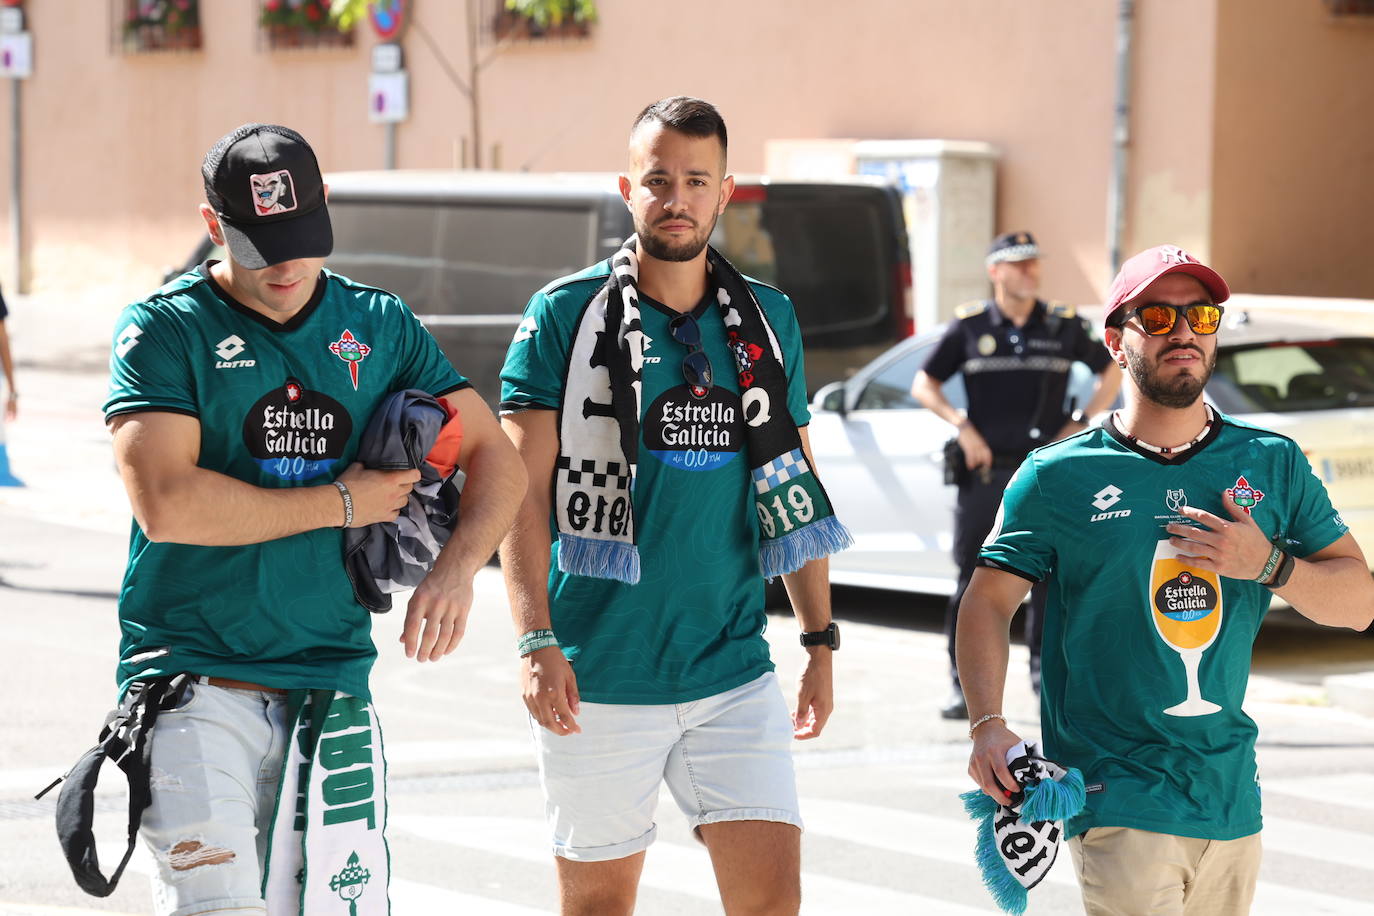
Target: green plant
[[170, 15], [545, 13], [311, 15]]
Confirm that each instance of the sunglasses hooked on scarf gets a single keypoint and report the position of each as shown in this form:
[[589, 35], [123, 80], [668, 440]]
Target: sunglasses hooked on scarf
[[1018, 840], [599, 431]]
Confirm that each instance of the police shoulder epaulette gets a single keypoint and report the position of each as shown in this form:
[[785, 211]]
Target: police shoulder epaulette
[[1063, 310], [969, 309]]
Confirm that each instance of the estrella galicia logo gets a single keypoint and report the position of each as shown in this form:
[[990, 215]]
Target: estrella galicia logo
[[296, 434], [694, 433]]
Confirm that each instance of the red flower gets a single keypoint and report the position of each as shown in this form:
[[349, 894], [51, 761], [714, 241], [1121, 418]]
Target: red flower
[[312, 13], [273, 5]]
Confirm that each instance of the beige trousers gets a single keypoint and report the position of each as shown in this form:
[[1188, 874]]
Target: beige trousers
[[1127, 872]]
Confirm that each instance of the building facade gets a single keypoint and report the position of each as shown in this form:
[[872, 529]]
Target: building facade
[[1247, 117]]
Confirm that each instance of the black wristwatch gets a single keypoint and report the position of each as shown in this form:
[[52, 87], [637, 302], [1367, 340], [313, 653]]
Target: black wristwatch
[[830, 636], [1280, 577]]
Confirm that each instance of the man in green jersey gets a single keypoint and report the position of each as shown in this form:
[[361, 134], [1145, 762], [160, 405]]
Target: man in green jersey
[[1163, 535], [641, 623], [238, 394]]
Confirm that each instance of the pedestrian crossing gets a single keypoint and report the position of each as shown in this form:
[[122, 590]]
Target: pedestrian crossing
[[899, 845]]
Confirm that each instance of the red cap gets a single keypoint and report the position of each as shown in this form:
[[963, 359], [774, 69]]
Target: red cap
[[1151, 264]]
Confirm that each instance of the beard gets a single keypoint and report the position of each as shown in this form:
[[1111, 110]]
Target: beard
[[1178, 392], [664, 250]]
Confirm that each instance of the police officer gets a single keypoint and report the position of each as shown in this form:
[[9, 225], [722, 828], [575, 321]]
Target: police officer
[[1015, 352]]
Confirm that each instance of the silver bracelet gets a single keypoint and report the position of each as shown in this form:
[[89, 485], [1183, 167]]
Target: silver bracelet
[[988, 718], [348, 503]]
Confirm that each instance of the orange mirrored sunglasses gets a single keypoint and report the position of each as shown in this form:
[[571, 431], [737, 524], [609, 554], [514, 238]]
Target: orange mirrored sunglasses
[[1159, 319]]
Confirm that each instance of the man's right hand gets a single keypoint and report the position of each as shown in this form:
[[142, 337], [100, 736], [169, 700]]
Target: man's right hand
[[987, 764], [378, 496], [977, 454], [550, 690]]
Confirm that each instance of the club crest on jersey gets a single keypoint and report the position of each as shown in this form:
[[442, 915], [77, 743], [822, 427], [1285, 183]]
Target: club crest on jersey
[[352, 351], [294, 390], [1245, 496], [272, 193]]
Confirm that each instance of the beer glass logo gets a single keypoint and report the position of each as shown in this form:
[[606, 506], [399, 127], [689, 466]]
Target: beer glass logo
[[1186, 607]]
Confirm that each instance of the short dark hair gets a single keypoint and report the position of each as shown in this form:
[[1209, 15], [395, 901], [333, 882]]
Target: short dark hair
[[693, 117]]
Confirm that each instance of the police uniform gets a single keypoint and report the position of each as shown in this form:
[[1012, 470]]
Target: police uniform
[[1015, 379]]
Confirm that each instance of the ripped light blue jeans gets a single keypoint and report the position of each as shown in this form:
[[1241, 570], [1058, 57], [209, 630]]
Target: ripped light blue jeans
[[216, 764]]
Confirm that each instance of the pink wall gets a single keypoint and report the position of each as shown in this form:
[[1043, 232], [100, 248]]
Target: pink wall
[[1294, 149]]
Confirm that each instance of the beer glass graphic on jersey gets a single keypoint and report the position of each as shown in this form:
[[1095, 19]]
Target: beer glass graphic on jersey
[[1185, 604]]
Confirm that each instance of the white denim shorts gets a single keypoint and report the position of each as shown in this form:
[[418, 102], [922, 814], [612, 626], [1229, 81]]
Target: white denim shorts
[[216, 765], [726, 757]]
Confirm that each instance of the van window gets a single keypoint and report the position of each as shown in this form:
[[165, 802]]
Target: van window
[[460, 259], [832, 248]]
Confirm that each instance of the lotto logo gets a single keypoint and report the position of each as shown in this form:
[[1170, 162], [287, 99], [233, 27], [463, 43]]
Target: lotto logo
[[229, 347], [1107, 497], [228, 350], [127, 340]]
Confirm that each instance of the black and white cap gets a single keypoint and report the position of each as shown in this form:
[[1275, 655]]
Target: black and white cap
[[264, 183], [1012, 246]]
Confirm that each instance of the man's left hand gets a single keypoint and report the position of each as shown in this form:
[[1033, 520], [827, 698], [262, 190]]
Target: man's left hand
[[1237, 549], [815, 693], [441, 602]]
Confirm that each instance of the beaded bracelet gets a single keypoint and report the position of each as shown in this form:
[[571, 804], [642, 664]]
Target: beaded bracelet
[[535, 640], [988, 718]]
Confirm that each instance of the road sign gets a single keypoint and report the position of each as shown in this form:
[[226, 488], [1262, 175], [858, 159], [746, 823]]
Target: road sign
[[16, 55], [388, 97], [386, 58], [388, 17]]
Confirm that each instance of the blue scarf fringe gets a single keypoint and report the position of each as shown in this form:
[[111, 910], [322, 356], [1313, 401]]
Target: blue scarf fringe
[[795, 549], [1055, 799], [1050, 800], [1006, 891], [602, 559]]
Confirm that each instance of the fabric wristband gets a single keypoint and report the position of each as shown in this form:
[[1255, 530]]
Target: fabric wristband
[[535, 640], [1283, 572], [1275, 556], [348, 503]]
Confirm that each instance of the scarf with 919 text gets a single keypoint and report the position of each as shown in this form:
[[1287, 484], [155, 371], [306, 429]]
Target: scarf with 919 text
[[599, 433]]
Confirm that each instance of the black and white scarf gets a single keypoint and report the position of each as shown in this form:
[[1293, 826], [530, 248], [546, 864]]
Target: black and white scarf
[[599, 433], [1018, 841]]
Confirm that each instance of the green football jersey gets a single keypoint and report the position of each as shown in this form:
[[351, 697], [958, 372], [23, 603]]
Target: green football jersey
[[693, 625], [279, 405], [1146, 657]]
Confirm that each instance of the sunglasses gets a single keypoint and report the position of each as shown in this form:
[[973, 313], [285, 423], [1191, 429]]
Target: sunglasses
[[696, 366], [1159, 319]]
